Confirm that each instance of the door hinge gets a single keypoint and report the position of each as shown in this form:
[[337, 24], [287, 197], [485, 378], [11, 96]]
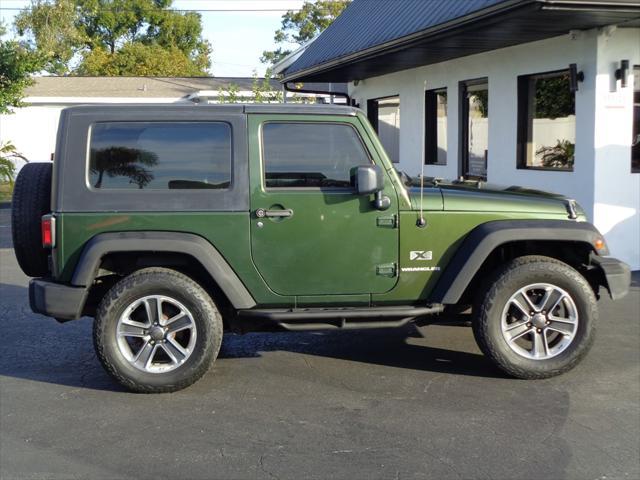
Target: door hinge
[[390, 221], [387, 270]]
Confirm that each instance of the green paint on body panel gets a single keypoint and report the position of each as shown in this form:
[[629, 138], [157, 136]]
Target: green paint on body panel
[[227, 232], [439, 240], [335, 248], [333, 242]]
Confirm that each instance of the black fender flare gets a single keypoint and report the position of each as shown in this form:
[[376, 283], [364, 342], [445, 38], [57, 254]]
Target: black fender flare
[[144, 241], [486, 237]]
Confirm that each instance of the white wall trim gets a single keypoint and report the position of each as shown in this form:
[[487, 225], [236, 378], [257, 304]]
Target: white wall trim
[[601, 173]]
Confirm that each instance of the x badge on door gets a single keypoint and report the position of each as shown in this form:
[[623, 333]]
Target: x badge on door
[[420, 255]]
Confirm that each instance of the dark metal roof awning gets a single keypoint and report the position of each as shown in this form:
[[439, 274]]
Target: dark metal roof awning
[[525, 22]]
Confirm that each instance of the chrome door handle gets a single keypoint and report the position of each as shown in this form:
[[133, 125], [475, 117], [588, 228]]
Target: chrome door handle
[[261, 213]]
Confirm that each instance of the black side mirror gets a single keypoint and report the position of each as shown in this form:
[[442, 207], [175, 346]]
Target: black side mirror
[[370, 179]]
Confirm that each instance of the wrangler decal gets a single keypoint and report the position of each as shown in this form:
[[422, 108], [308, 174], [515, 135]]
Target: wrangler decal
[[420, 269]]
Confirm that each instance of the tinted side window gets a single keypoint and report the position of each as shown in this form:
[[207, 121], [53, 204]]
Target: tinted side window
[[160, 155], [311, 154]]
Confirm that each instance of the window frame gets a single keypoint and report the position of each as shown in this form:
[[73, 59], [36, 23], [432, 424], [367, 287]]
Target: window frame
[[636, 91], [71, 194], [372, 106], [263, 173], [87, 168], [522, 135], [463, 128], [431, 131]]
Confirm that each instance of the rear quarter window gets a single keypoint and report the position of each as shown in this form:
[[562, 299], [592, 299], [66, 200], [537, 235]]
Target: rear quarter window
[[160, 155]]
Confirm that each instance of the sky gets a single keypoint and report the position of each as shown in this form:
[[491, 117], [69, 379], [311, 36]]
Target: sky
[[238, 32]]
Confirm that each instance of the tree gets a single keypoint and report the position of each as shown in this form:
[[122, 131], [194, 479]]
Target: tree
[[116, 37], [298, 27], [262, 91], [17, 63], [123, 162], [553, 97], [50, 29], [228, 94], [137, 59]]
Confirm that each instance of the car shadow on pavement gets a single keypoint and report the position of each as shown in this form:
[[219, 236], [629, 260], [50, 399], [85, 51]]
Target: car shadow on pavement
[[38, 348], [65, 355], [398, 348]]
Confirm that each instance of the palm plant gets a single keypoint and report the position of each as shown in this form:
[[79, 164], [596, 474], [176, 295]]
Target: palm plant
[[8, 154], [560, 155]]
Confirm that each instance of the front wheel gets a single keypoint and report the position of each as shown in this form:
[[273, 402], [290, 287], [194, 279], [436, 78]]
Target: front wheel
[[537, 319], [157, 331]]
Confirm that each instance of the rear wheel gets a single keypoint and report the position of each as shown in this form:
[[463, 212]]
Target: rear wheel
[[537, 319], [157, 331]]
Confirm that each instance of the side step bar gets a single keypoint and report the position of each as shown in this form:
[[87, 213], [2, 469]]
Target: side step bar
[[337, 318]]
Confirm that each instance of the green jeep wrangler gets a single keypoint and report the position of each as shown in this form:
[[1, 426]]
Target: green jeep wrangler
[[171, 224]]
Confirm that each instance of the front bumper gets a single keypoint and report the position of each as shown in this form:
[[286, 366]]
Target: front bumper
[[616, 275], [56, 300]]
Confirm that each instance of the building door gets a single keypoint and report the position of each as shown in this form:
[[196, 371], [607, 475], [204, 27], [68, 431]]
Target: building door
[[474, 128], [311, 232]]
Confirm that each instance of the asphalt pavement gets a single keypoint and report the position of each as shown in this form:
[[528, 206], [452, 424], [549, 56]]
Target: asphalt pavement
[[409, 403]]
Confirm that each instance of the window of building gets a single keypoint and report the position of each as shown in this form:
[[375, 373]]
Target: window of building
[[320, 155], [384, 115], [160, 155], [474, 128], [435, 120], [546, 121], [635, 141]]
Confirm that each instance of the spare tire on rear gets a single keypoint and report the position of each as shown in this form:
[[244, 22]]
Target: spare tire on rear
[[31, 200]]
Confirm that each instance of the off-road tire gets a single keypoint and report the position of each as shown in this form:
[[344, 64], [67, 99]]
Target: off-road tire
[[157, 281], [31, 200], [506, 281]]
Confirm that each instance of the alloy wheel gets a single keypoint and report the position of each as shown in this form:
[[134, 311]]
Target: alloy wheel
[[156, 334], [539, 321]]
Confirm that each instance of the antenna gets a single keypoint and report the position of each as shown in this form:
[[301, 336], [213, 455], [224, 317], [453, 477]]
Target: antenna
[[421, 223]]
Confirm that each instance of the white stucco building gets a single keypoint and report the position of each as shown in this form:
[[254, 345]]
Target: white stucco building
[[32, 128], [538, 93]]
